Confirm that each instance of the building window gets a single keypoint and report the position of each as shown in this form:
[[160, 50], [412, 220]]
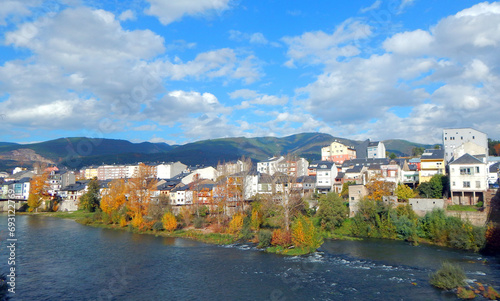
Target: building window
[[466, 184], [477, 169], [478, 184], [453, 184], [465, 171]]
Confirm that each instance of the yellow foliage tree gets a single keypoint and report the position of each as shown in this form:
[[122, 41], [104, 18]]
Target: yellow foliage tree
[[169, 222], [115, 197], [304, 234], [404, 192], [236, 223], [256, 220]]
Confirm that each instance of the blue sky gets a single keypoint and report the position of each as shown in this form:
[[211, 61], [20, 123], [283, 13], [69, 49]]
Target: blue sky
[[182, 71]]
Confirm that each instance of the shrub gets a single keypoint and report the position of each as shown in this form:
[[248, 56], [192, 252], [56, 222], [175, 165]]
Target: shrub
[[97, 216], [281, 238], [115, 217], [463, 293], [158, 226], [448, 277], [123, 221], [106, 219], [265, 237], [199, 222]]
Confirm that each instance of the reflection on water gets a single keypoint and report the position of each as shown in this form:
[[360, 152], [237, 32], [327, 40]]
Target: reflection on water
[[63, 260]]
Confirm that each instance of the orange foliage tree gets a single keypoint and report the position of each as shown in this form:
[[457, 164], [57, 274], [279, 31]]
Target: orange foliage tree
[[114, 198], [378, 188], [38, 191], [304, 234]]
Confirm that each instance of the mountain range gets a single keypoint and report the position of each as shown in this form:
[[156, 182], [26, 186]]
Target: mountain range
[[77, 152]]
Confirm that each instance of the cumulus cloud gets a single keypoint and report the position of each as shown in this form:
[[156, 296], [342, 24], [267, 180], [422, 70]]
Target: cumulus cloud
[[253, 98], [170, 11], [319, 47], [444, 76]]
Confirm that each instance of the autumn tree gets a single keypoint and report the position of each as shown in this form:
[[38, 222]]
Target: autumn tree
[[169, 222], [304, 234], [90, 200], [236, 223], [404, 192], [38, 191], [139, 190], [378, 188], [287, 199], [115, 197]]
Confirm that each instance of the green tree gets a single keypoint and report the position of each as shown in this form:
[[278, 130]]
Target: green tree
[[393, 156], [332, 211], [417, 151], [345, 189], [437, 186], [91, 199]]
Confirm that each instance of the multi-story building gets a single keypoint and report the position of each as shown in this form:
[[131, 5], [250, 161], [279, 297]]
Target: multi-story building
[[326, 172], [111, 172], [271, 166], [375, 150], [453, 138], [432, 162], [468, 180], [338, 153]]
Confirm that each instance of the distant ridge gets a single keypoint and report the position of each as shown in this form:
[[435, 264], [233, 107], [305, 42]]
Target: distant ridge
[[76, 152]]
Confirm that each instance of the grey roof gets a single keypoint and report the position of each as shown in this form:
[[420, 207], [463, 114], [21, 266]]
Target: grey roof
[[74, 187], [355, 169], [365, 162], [495, 167], [430, 154], [340, 175], [467, 159], [306, 179], [374, 143]]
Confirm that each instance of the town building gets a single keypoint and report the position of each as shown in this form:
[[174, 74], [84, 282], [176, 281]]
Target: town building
[[337, 152], [376, 150], [455, 137], [468, 180], [432, 162]]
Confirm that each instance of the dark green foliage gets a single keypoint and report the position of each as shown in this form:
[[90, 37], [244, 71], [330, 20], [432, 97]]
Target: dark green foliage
[[265, 237], [332, 211], [448, 277], [158, 226], [91, 199], [435, 188]]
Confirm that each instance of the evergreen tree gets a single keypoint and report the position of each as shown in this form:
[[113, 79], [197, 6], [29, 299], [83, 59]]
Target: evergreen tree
[[91, 199]]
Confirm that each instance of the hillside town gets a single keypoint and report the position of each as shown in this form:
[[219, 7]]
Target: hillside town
[[463, 158]]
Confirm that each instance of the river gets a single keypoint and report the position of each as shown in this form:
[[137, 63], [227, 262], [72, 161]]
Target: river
[[58, 259]]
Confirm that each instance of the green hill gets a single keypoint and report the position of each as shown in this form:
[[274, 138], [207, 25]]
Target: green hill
[[79, 151]]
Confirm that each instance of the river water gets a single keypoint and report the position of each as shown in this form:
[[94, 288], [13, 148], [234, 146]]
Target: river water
[[59, 259]]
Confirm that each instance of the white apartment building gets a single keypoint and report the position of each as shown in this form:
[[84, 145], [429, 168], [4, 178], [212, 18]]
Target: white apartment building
[[376, 150], [270, 166], [468, 180], [170, 170], [453, 138]]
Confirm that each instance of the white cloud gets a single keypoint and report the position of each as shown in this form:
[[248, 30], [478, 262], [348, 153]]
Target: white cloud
[[170, 11], [215, 64], [253, 98], [426, 80], [15, 8], [127, 15], [375, 5], [319, 47]]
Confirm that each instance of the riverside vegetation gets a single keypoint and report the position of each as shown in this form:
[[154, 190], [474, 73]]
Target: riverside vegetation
[[283, 222]]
